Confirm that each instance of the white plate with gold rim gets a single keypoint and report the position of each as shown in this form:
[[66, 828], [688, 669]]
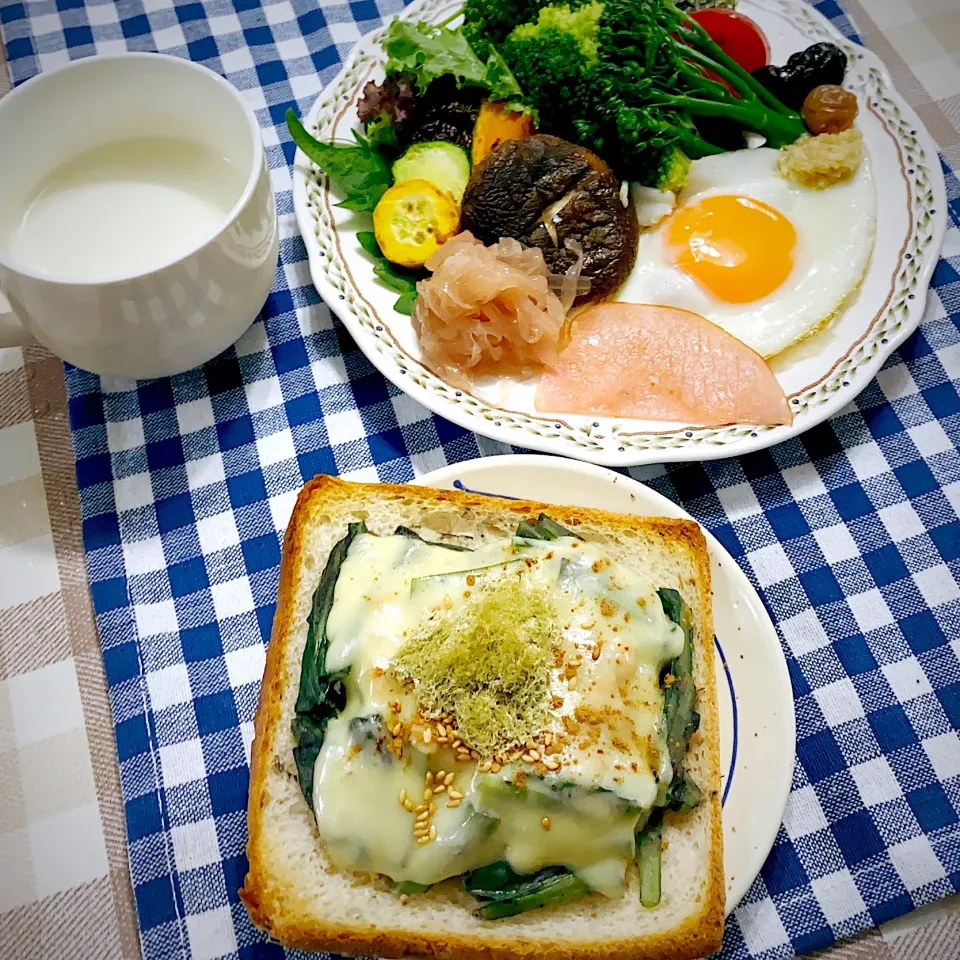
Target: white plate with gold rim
[[757, 722], [820, 375]]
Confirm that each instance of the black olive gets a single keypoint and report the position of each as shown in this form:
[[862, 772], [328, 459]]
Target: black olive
[[819, 64]]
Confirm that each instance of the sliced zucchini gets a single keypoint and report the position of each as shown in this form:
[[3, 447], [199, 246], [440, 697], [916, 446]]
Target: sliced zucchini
[[444, 164], [413, 220]]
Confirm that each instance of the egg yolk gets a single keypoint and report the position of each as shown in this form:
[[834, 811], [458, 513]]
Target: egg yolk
[[740, 249]]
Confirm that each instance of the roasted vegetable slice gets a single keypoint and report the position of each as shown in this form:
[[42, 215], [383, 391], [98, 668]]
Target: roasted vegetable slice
[[496, 124], [413, 220], [444, 164]]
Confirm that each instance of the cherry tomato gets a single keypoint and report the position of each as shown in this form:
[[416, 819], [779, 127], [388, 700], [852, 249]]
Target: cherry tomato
[[738, 36]]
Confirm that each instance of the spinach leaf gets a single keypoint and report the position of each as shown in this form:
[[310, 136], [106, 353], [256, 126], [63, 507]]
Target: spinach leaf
[[680, 720], [680, 715], [368, 240], [321, 695], [408, 886], [649, 856], [499, 879], [680, 696], [428, 51], [413, 535], [535, 895], [357, 170], [405, 303], [543, 528], [398, 279]]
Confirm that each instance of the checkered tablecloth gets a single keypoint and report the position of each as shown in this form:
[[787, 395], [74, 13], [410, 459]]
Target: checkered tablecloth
[[850, 532]]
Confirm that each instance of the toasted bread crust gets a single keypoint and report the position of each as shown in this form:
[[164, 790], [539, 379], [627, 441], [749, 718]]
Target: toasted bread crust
[[275, 908]]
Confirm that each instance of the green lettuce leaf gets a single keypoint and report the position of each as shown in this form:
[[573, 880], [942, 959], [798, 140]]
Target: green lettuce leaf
[[429, 51]]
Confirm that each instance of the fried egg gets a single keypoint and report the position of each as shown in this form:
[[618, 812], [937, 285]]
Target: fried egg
[[768, 261]]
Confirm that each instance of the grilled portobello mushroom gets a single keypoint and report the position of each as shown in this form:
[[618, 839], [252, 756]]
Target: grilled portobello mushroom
[[543, 191]]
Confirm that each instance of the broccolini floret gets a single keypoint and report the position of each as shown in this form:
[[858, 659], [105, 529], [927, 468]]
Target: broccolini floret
[[629, 79]]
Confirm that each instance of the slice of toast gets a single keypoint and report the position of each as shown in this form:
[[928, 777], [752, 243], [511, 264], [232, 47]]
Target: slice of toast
[[293, 891]]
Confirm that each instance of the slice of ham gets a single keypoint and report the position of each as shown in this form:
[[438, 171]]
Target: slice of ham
[[660, 363]]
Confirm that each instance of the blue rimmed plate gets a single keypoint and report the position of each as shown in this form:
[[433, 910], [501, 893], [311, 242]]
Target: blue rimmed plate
[[757, 722]]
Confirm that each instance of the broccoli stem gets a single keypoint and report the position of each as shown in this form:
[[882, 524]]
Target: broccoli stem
[[716, 90], [694, 146], [778, 129], [734, 79], [718, 58]]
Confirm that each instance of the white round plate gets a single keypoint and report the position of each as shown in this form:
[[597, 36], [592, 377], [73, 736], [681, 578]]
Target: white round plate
[[757, 723], [820, 376]]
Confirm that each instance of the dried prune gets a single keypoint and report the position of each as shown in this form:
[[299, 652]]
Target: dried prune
[[830, 109]]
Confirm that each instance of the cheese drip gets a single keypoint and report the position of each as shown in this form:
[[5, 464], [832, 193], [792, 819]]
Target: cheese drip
[[603, 730]]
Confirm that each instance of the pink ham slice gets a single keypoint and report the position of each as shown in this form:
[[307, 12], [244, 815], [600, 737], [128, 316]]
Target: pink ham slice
[[660, 363]]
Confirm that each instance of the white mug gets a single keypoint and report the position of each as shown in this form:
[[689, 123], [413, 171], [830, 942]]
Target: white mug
[[166, 251]]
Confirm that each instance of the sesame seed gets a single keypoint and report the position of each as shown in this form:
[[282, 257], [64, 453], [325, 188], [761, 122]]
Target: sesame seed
[[453, 803], [535, 754], [403, 797], [423, 817], [448, 779], [432, 808], [408, 806], [427, 734], [455, 795], [433, 831], [551, 764], [439, 788], [441, 730], [429, 777], [397, 729], [485, 766], [545, 823], [527, 758], [456, 744], [474, 755], [421, 807], [423, 840], [427, 794], [495, 767], [439, 775]]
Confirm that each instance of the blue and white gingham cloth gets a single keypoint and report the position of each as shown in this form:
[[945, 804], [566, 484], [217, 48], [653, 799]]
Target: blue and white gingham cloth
[[850, 533]]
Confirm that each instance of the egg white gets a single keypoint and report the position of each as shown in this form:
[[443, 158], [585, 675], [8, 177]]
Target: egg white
[[835, 231]]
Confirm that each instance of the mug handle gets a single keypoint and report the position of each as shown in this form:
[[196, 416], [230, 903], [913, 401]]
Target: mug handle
[[13, 333]]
